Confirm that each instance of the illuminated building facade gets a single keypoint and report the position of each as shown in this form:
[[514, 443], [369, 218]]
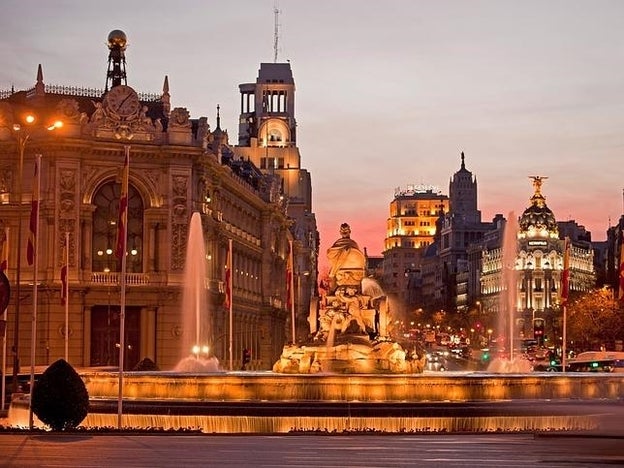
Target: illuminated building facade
[[178, 166], [268, 138], [410, 230], [537, 269]]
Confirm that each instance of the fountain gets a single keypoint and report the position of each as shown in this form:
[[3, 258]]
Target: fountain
[[506, 361], [349, 332], [196, 320], [350, 377]]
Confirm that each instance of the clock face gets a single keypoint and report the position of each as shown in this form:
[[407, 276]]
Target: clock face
[[123, 101]]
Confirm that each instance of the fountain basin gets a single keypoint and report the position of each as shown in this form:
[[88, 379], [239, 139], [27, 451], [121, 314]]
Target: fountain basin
[[267, 386], [247, 402]]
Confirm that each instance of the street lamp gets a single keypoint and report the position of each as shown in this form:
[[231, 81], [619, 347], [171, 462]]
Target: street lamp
[[22, 135]]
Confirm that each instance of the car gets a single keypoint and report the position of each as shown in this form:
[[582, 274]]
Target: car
[[436, 361], [589, 361]]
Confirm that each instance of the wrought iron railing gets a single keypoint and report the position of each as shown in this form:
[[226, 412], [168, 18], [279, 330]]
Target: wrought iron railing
[[112, 278], [77, 91]]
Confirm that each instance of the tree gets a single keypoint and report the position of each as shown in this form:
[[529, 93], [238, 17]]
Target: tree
[[595, 319], [59, 397]]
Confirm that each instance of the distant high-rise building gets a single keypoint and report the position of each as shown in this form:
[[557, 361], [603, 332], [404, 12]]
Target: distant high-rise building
[[461, 227], [410, 229]]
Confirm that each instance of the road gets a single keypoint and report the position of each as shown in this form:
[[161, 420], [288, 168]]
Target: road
[[440, 451]]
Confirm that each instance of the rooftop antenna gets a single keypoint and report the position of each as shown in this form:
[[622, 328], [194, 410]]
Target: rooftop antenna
[[276, 12]]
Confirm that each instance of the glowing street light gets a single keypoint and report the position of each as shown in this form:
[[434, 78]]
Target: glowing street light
[[22, 135]]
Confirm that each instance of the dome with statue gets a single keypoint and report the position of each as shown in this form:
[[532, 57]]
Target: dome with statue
[[538, 220]]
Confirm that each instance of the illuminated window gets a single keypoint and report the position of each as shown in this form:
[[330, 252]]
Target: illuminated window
[[105, 217]]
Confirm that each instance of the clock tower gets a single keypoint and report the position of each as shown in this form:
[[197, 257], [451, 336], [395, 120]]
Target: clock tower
[[267, 115], [267, 136]]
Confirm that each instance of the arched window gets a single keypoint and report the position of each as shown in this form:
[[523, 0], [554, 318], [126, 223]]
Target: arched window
[[105, 217]]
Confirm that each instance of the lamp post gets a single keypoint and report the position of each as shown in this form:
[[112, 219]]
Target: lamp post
[[22, 138]]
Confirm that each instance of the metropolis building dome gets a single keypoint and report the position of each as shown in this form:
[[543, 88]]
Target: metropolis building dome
[[538, 220]]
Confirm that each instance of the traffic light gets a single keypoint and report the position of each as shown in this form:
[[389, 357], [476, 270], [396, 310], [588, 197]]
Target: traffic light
[[246, 358], [538, 330]]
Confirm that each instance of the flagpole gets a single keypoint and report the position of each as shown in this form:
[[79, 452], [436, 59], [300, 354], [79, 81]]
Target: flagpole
[[35, 258], [566, 293], [122, 242], [565, 338], [620, 293], [229, 292], [65, 293], [5, 258], [291, 289]]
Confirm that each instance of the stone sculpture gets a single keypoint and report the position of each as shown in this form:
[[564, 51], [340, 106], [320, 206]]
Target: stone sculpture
[[348, 325]]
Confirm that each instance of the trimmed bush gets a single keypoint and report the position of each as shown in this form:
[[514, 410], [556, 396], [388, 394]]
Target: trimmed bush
[[60, 398], [146, 365]]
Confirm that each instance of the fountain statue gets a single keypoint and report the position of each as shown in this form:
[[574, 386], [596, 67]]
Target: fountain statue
[[349, 325], [196, 321]]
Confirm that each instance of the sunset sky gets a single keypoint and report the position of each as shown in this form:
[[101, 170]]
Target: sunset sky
[[388, 93]]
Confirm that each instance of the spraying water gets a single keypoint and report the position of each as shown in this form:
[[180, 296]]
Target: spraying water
[[196, 319], [507, 362]]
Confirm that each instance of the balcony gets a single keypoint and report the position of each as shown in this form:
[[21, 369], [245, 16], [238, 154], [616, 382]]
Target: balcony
[[112, 278]]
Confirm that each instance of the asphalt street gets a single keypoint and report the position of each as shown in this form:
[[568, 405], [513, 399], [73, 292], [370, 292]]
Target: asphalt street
[[441, 451]]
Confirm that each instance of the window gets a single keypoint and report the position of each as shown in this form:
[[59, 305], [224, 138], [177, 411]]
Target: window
[[105, 218]]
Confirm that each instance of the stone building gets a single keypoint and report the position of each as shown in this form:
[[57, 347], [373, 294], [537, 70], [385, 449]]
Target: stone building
[[177, 166], [268, 139], [410, 229], [530, 254]]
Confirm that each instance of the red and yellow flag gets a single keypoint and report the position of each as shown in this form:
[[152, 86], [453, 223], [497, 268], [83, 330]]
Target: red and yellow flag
[[34, 213], [289, 277], [565, 274], [621, 291], [4, 250], [122, 222], [64, 267], [228, 277]]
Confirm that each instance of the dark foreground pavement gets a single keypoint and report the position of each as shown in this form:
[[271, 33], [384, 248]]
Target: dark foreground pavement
[[171, 450]]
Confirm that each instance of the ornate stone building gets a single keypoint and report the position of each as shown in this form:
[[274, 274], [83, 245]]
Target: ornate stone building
[[535, 258], [177, 166], [268, 138]]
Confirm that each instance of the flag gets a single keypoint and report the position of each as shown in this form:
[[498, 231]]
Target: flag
[[4, 250], [64, 267], [621, 291], [5, 288], [122, 222], [565, 274], [289, 277], [34, 213], [228, 277]]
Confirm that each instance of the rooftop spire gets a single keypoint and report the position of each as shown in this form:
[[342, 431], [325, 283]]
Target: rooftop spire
[[276, 12], [218, 117], [463, 165], [166, 97], [39, 86], [116, 74]]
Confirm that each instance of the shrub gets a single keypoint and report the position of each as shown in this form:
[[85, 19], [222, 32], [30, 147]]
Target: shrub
[[59, 397], [146, 365]]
